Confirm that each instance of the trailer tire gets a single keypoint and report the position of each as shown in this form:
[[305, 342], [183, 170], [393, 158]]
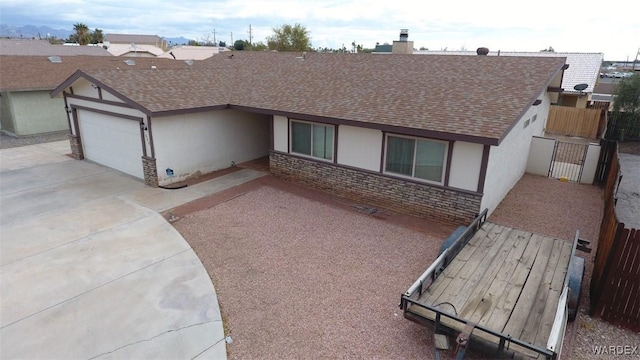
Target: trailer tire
[[576, 273], [451, 239]]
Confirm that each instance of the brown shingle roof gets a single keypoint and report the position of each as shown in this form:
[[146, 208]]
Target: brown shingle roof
[[479, 96], [43, 48], [22, 73]]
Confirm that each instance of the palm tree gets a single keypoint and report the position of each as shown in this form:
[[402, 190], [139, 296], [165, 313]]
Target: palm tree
[[82, 35]]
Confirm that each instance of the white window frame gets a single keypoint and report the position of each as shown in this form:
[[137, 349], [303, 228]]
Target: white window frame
[[333, 145], [415, 147]]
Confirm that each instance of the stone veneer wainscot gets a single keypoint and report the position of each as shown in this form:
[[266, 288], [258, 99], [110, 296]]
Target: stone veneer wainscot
[[408, 197]]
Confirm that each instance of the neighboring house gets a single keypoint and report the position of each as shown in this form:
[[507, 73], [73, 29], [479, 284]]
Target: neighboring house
[[21, 47], [188, 52], [138, 40], [26, 107], [584, 68], [430, 136], [133, 50]]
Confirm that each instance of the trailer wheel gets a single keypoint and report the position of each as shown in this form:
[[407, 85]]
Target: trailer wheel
[[576, 273]]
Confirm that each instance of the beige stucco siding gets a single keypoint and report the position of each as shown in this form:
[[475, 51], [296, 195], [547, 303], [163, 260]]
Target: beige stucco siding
[[280, 133], [359, 147], [508, 161], [6, 112], [32, 112], [195, 144], [466, 161]]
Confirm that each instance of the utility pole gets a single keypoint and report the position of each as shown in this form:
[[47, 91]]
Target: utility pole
[[250, 37], [214, 37], [232, 38]]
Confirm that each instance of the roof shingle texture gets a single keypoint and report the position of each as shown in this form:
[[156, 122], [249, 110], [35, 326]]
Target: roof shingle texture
[[584, 68], [44, 48], [481, 96], [24, 73]]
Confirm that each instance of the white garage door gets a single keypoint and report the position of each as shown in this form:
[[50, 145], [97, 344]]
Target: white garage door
[[111, 141]]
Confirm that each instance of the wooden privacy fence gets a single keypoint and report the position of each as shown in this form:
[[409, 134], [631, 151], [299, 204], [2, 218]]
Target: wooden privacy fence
[[615, 283], [569, 121]]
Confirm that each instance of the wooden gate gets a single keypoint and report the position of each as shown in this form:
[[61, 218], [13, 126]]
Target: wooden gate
[[569, 121]]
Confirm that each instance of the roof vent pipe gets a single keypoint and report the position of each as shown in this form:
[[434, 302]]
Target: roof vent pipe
[[404, 34], [482, 51]]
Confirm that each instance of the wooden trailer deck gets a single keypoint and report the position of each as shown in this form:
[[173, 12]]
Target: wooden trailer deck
[[505, 280]]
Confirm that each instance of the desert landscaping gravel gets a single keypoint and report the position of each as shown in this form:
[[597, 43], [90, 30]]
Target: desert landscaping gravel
[[298, 277], [7, 141]]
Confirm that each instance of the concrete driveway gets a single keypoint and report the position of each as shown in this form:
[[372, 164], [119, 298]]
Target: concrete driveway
[[89, 269]]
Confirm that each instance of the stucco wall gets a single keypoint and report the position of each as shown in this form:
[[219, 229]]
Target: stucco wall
[[6, 113], [195, 144], [508, 161], [359, 147], [280, 133], [466, 161], [34, 112]]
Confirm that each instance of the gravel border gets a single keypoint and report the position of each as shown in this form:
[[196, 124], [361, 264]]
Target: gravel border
[[8, 141]]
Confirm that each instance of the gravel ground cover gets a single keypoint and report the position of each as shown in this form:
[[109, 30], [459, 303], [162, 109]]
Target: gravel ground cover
[[301, 278], [7, 141]]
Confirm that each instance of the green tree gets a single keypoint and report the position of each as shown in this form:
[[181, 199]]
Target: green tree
[[240, 45], [289, 38], [626, 109], [97, 36], [222, 43], [259, 46], [550, 49], [82, 35]]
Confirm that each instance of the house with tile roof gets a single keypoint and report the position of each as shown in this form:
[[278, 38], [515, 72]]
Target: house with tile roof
[[432, 136], [26, 107], [584, 68]]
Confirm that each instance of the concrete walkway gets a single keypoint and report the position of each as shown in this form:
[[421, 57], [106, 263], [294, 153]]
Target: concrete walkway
[[90, 270]]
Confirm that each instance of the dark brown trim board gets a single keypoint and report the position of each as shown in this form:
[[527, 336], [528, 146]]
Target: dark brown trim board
[[447, 171], [99, 101], [483, 168], [104, 112], [151, 145]]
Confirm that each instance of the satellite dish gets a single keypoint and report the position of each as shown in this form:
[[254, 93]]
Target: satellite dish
[[580, 87]]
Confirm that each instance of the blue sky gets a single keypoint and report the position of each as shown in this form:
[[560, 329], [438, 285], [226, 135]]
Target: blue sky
[[566, 25]]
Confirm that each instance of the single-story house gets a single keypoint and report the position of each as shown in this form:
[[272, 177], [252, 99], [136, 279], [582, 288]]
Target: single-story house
[[186, 52], [584, 69], [137, 39], [25, 47], [26, 107], [434, 136]]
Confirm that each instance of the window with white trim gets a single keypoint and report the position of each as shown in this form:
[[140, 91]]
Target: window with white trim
[[416, 157], [312, 139]]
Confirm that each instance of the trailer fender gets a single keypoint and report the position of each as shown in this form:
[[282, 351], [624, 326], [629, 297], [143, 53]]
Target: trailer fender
[[576, 272], [451, 239]]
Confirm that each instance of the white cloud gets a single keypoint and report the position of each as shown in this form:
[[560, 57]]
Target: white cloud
[[497, 24]]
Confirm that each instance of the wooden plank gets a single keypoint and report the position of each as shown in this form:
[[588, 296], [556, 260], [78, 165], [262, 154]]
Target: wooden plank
[[472, 295], [539, 334], [527, 297], [496, 289], [485, 237], [476, 263], [507, 301]]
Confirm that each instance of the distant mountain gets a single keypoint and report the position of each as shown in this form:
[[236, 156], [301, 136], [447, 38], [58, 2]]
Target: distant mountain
[[177, 40], [33, 32]]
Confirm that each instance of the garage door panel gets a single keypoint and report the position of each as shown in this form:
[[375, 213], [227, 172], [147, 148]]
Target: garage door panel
[[112, 141]]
